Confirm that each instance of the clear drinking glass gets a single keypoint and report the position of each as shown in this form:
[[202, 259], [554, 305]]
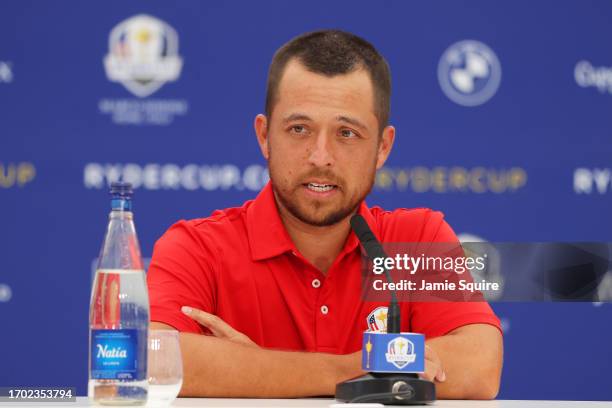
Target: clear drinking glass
[[165, 367]]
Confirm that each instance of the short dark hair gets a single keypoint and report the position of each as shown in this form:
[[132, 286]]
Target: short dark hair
[[331, 53]]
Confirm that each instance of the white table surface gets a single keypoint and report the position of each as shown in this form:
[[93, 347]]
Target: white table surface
[[324, 402]]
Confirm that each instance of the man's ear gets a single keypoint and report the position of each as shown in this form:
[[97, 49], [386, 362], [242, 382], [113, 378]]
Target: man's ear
[[385, 145], [261, 130]]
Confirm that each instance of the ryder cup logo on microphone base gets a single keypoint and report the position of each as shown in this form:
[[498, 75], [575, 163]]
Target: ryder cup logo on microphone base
[[469, 73], [400, 352], [393, 352]]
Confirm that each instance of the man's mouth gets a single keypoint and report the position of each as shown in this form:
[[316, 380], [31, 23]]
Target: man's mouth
[[320, 188]]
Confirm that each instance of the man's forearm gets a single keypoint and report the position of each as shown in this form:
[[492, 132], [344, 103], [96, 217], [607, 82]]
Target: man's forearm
[[472, 359], [219, 368]]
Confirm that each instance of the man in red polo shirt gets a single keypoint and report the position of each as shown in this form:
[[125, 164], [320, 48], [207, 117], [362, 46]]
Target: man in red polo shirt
[[267, 296]]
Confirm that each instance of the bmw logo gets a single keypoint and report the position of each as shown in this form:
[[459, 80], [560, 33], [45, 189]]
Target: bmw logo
[[5, 293], [469, 73]]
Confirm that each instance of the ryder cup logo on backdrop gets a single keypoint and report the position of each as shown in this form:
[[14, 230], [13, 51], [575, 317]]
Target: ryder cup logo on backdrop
[[400, 352], [443, 179], [469, 73], [173, 176], [143, 55]]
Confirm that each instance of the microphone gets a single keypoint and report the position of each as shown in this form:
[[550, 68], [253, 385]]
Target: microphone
[[392, 358], [374, 249]]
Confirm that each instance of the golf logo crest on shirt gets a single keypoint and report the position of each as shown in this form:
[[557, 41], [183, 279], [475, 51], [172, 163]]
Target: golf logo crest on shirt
[[143, 54], [400, 352], [377, 320]]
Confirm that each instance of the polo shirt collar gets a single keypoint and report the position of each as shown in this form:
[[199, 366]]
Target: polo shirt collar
[[267, 235]]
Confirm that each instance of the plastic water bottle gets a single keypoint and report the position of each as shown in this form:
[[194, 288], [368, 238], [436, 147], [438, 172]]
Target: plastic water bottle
[[119, 312]]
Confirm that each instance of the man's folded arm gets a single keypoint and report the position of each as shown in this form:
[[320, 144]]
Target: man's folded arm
[[216, 367], [471, 357]]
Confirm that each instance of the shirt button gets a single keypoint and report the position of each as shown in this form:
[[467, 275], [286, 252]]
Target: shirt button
[[324, 309], [316, 283]]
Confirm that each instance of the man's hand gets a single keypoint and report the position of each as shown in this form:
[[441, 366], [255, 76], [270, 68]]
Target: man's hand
[[433, 366], [466, 363], [218, 327]]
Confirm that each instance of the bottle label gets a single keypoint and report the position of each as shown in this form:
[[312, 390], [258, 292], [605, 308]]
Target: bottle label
[[118, 355]]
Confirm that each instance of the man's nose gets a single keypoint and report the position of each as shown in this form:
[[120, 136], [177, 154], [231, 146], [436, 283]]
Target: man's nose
[[321, 154]]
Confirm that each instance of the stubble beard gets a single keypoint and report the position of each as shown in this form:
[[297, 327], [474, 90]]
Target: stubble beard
[[287, 197]]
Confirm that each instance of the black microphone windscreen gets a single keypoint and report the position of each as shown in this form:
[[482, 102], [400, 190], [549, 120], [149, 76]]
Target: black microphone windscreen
[[367, 238]]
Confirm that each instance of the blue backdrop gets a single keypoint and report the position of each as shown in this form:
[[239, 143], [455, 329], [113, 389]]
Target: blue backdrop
[[503, 112]]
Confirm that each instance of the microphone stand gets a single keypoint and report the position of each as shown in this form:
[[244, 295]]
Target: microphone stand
[[384, 388]]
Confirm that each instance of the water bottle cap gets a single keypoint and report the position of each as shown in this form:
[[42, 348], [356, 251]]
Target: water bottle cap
[[120, 189]]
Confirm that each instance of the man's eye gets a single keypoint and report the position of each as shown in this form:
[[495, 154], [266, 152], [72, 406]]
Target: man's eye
[[298, 129], [348, 133]]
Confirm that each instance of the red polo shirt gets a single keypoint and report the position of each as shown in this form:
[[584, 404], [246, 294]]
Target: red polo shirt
[[241, 265]]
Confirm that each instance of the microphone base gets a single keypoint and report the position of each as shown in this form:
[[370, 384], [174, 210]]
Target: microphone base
[[388, 389]]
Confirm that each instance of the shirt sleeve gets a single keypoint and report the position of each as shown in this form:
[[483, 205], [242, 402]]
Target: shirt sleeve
[[181, 273], [439, 318]]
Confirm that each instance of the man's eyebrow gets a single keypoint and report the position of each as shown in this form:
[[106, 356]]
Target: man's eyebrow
[[340, 118], [351, 121], [296, 116]]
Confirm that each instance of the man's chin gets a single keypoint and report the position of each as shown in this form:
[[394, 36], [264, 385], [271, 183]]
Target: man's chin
[[321, 218]]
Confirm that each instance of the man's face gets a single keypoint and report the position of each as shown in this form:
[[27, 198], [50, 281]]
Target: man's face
[[322, 143]]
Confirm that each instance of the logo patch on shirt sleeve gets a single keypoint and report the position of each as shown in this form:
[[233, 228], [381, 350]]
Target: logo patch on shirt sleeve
[[377, 320]]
